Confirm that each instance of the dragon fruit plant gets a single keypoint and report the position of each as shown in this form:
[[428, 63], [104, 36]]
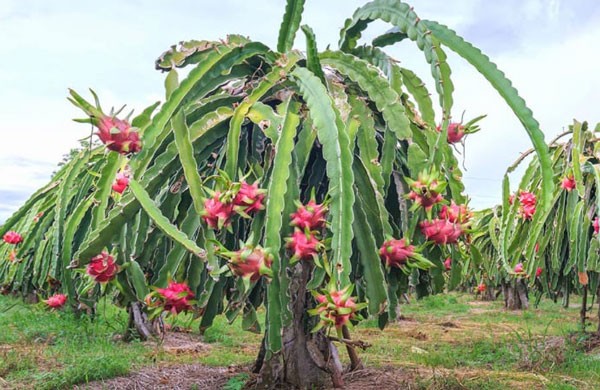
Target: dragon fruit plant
[[554, 251], [243, 154]]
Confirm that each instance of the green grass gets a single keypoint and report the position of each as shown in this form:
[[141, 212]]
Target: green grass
[[52, 349], [237, 382], [495, 348], [451, 340]]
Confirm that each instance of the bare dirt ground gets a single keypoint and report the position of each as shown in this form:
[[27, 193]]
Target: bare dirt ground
[[176, 377], [198, 377]]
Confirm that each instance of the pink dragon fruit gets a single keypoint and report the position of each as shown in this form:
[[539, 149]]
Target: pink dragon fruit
[[336, 308], [538, 272], [596, 225], [426, 190], [456, 213], [121, 182], [250, 263], [303, 245], [527, 198], [481, 287], [118, 135], [176, 297], [527, 212], [395, 253], [511, 199], [448, 264], [527, 207], [519, 268], [102, 268], [310, 216], [56, 301], [441, 231], [456, 132], [12, 237], [217, 214], [568, 183], [249, 198], [426, 201]]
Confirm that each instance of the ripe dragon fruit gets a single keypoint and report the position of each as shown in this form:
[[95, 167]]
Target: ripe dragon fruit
[[336, 308], [250, 263], [519, 268], [310, 216], [481, 287], [217, 214], [511, 199], [527, 212], [121, 182], [457, 131], [56, 301], [527, 198], [303, 245], [448, 264], [441, 231], [102, 267], [12, 237], [596, 225], [118, 135], [568, 183], [175, 298], [537, 247], [456, 213], [426, 190], [395, 253], [249, 198], [527, 207], [538, 272]]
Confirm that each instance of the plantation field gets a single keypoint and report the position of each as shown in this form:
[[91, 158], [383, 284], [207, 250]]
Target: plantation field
[[442, 342]]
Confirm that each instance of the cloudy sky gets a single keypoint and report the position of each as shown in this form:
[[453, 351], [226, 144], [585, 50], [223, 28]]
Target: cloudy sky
[[547, 47]]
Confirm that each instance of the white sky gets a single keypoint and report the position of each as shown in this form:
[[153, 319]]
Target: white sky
[[549, 49]]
